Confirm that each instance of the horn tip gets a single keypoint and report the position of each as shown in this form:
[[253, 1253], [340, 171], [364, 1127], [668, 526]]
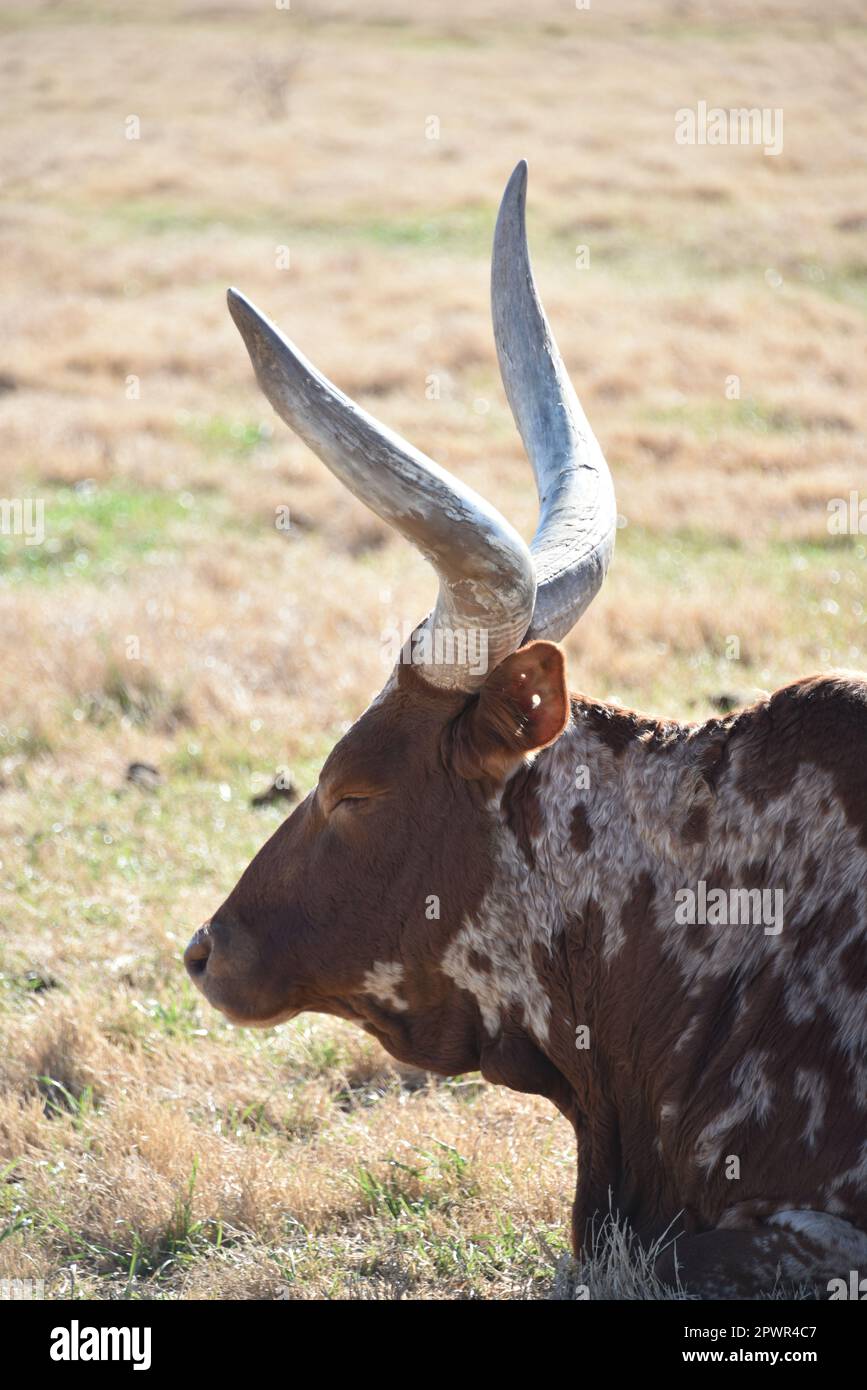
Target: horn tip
[[253, 327], [239, 304], [518, 179], [510, 234]]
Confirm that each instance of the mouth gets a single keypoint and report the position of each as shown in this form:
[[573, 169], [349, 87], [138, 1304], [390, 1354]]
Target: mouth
[[380, 1026], [373, 1020], [239, 1021]]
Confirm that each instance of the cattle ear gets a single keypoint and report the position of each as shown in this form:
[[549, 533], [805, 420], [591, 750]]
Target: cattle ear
[[523, 706]]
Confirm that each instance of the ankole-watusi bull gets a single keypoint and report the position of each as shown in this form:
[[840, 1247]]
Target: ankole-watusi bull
[[660, 927]]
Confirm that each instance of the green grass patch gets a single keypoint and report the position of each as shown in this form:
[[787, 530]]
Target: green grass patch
[[97, 533], [220, 435], [708, 418]]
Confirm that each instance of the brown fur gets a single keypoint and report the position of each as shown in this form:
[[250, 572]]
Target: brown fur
[[690, 1053]]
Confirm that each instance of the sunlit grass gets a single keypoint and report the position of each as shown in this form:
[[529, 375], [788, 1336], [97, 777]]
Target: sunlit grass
[[166, 619]]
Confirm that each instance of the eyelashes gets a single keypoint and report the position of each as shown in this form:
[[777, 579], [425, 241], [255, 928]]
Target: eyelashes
[[349, 799]]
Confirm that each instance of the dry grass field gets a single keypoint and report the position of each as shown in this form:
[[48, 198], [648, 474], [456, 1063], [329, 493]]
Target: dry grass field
[[145, 1146]]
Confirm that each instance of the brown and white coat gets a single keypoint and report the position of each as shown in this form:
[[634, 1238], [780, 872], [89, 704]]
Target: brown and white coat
[[489, 875]]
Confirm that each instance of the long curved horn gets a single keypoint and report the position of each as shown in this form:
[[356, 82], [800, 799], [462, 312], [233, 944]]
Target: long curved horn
[[577, 514], [487, 580]]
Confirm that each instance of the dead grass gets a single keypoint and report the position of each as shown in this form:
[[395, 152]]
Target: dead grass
[[143, 1145]]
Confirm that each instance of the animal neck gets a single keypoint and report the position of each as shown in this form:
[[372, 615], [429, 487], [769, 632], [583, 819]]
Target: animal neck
[[595, 835], [617, 797], [588, 836]]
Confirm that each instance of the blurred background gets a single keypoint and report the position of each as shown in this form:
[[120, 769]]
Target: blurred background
[[204, 609]]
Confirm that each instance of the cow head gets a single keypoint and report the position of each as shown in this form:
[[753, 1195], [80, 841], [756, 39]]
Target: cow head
[[351, 905]]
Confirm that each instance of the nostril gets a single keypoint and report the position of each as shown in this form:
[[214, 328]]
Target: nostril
[[197, 953]]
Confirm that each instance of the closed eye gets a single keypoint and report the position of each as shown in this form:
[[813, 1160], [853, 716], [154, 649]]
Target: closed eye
[[329, 800]]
